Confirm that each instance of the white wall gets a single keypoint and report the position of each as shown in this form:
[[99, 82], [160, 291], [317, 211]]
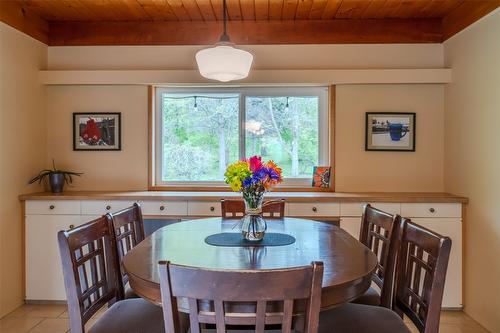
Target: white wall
[[353, 56], [472, 158], [356, 169], [113, 170], [375, 171], [22, 142]]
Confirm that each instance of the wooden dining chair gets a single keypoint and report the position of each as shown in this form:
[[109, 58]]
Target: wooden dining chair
[[128, 228], [380, 233], [236, 209], [225, 287], [90, 269], [420, 276]]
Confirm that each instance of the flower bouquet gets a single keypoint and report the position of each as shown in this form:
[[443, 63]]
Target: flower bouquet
[[253, 178]]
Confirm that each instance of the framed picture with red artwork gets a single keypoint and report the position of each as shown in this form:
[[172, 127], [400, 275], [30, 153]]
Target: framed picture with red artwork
[[321, 176], [97, 131]]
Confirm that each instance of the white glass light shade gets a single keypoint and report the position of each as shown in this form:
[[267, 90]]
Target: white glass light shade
[[224, 63]]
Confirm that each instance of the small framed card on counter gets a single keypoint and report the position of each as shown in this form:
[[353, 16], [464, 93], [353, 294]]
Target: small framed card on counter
[[321, 176]]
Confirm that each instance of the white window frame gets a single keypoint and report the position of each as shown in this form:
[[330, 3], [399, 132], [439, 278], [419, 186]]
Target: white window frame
[[323, 127]]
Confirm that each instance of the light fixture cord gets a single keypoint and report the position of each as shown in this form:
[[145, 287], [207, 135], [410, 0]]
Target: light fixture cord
[[224, 37]]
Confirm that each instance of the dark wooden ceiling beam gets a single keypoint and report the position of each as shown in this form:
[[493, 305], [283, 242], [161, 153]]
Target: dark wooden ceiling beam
[[23, 19], [150, 28], [247, 32]]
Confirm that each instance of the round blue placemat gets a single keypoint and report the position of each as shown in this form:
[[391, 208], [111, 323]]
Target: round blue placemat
[[235, 239]]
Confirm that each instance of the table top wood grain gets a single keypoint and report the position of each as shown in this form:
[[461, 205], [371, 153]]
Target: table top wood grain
[[348, 264]]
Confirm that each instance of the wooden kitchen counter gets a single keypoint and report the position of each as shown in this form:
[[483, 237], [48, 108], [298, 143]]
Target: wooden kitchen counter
[[428, 197]]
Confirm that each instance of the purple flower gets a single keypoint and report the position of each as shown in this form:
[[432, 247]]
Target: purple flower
[[273, 174], [247, 182], [263, 175]]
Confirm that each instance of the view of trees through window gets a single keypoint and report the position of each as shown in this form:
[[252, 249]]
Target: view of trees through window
[[201, 133], [199, 142], [283, 129]]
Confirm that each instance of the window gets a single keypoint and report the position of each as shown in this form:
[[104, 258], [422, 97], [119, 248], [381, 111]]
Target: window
[[199, 131]]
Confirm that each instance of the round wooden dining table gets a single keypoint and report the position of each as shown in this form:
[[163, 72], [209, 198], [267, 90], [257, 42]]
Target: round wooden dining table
[[348, 264]]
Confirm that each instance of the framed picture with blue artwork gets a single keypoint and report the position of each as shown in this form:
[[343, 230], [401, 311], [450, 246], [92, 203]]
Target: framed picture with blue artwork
[[97, 131], [390, 131]]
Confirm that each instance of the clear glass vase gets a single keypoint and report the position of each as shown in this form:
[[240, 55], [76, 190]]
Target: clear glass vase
[[253, 226]]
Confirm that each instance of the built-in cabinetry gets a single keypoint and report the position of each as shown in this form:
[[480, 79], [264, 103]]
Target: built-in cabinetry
[[44, 218]]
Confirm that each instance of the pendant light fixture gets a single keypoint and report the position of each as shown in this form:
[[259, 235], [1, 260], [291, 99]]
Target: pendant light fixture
[[224, 62]]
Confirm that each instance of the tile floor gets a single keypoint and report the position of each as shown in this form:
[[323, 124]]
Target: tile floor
[[54, 319]]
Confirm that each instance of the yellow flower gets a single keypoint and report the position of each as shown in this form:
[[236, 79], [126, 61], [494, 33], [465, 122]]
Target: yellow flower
[[235, 185], [236, 173]]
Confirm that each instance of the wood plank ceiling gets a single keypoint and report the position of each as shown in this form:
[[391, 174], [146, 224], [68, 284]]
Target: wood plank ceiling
[[177, 22]]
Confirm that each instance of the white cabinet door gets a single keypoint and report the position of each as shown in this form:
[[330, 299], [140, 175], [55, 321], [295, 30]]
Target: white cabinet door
[[44, 279], [351, 225], [451, 227]]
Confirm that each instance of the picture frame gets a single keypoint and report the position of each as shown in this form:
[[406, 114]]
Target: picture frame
[[390, 131], [96, 131], [322, 176]]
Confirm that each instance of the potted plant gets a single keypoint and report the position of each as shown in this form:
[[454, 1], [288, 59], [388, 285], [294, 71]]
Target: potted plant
[[253, 179], [57, 178]]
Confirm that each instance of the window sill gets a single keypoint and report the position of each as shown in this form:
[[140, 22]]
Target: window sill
[[225, 188]]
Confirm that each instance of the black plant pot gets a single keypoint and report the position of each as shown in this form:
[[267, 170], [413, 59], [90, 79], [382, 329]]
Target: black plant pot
[[56, 182]]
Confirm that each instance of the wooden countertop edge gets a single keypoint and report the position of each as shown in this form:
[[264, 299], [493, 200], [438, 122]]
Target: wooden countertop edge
[[416, 197]]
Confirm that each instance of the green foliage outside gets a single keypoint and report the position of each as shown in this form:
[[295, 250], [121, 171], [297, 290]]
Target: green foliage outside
[[287, 135], [198, 143]]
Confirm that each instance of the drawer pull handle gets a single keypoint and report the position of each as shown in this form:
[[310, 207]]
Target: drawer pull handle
[[162, 207], [212, 209], [314, 209], [108, 207], [71, 226], [432, 210], [52, 207]]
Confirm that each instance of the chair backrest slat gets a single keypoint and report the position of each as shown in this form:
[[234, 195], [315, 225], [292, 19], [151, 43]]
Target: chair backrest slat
[[287, 315], [380, 233], [220, 322], [260, 317], [420, 275], [128, 228], [90, 270], [193, 315], [224, 289], [236, 209]]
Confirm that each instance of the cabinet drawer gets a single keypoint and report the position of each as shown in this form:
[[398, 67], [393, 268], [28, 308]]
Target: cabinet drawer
[[313, 209], [100, 207], [204, 208], [431, 210], [356, 208], [176, 208], [52, 207]]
